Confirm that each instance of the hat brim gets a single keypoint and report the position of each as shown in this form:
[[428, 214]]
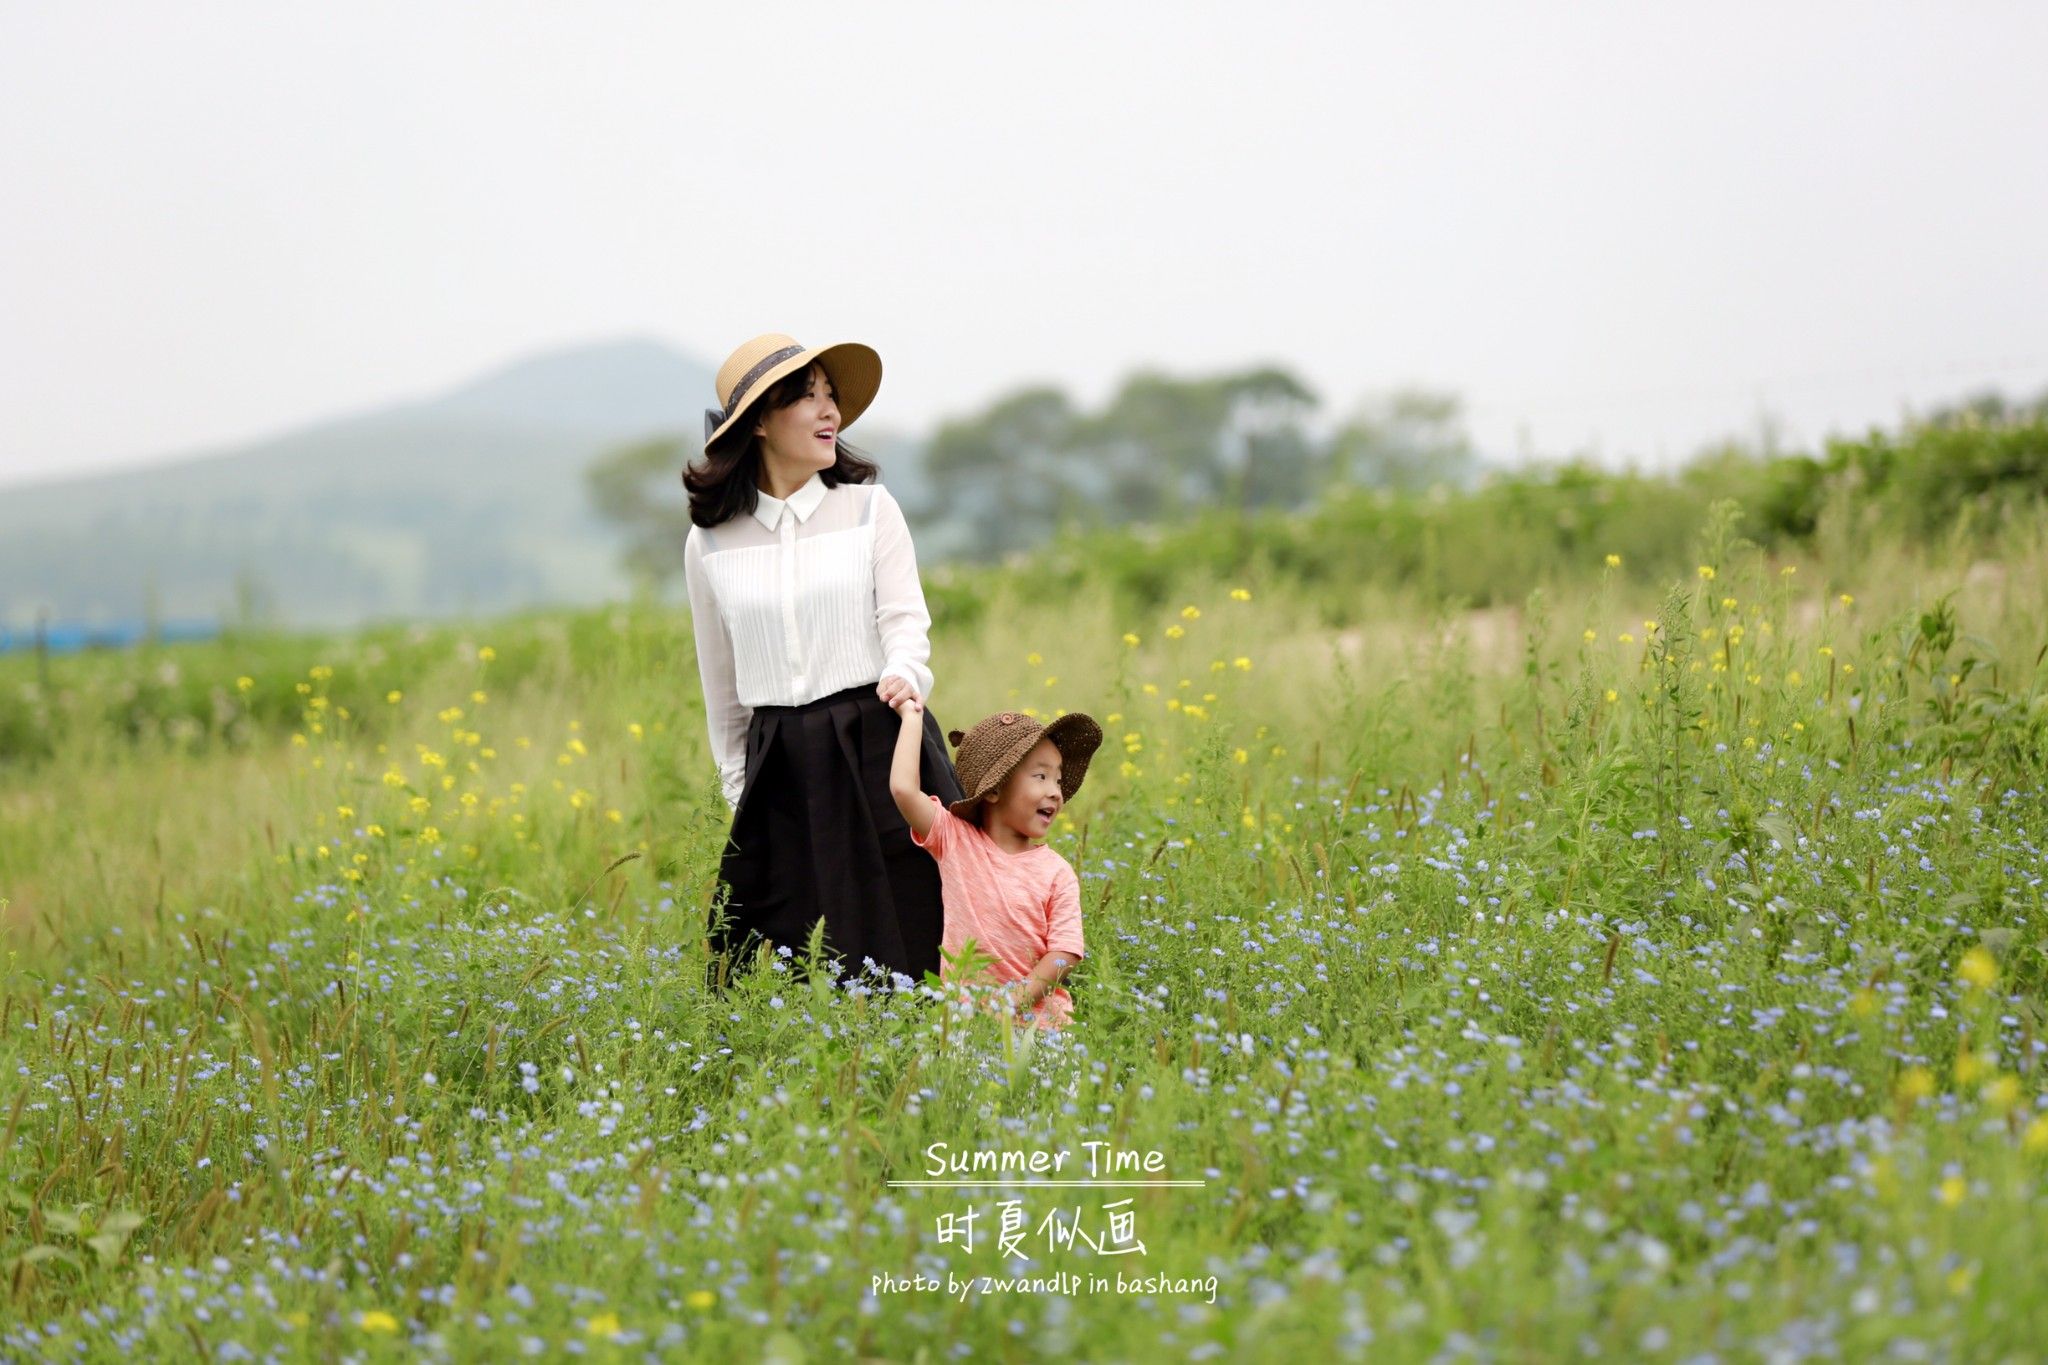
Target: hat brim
[[1075, 735], [856, 371]]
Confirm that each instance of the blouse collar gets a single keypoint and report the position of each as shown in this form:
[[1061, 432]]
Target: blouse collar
[[803, 502]]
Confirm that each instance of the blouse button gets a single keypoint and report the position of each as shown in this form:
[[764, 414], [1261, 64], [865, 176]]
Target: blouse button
[[1007, 719]]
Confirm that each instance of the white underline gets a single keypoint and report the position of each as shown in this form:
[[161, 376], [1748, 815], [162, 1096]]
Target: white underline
[[1014, 1184]]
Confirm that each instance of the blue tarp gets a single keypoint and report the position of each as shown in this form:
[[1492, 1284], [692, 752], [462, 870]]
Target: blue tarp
[[68, 637]]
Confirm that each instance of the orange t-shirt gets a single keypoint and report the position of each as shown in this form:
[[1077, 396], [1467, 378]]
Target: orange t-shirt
[[1017, 906]]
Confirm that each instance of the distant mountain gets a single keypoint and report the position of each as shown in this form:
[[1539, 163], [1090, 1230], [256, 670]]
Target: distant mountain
[[472, 501]]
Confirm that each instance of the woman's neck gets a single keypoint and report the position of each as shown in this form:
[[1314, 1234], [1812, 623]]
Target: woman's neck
[[779, 480]]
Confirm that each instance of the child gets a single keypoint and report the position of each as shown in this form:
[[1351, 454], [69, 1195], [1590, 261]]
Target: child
[[1016, 898]]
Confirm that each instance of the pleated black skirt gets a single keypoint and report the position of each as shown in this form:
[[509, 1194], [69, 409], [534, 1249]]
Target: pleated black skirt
[[816, 836]]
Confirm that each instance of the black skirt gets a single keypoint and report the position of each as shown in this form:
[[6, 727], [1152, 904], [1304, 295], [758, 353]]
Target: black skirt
[[816, 836]]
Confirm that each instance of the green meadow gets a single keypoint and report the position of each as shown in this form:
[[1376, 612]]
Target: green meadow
[[1585, 915]]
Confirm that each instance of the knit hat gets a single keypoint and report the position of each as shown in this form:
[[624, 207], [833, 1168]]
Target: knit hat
[[991, 751]]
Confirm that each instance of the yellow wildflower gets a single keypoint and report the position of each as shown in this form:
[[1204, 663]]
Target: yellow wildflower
[[604, 1325], [1175, 632], [1614, 561], [1977, 968], [376, 1320]]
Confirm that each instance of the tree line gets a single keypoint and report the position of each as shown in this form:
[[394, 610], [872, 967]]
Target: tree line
[[1162, 447], [1165, 446]]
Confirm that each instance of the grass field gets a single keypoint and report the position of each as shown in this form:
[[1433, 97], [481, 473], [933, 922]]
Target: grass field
[[1651, 969]]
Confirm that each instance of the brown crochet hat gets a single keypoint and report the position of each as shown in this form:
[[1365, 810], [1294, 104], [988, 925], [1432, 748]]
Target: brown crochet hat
[[990, 751]]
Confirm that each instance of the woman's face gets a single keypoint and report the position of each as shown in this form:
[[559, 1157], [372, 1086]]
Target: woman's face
[[803, 437], [1030, 796]]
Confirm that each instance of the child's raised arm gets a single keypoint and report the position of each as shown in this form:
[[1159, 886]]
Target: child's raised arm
[[903, 769]]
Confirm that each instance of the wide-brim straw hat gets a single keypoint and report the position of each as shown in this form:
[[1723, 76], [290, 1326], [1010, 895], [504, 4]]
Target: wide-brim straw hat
[[752, 370], [989, 752]]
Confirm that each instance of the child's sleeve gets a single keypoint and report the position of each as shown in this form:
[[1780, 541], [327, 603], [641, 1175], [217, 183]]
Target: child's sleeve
[[1063, 913], [940, 837]]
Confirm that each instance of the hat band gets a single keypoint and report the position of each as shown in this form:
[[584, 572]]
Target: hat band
[[739, 390]]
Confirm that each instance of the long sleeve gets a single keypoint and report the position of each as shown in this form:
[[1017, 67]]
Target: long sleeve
[[725, 715], [900, 615]]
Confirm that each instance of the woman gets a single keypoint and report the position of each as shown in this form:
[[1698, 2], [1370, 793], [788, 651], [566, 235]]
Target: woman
[[810, 625]]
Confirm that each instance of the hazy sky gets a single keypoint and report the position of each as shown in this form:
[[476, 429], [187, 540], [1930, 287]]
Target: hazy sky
[[1621, 228]]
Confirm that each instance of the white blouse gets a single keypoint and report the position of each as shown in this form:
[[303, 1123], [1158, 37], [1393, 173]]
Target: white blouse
[[805, 597]]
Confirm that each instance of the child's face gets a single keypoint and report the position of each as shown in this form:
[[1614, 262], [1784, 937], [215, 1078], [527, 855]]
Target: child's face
[[1030, 796]]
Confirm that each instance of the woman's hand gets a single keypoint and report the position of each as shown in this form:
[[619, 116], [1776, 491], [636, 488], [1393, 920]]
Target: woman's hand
[[893, 689]]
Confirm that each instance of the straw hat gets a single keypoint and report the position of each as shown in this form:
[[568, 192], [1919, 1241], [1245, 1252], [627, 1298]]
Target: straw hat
[[752, 370], [994, 747]]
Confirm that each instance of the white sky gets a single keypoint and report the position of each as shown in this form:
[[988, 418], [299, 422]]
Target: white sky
[[1624, 229]]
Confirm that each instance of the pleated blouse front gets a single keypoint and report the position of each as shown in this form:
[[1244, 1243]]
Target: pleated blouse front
[[803, 598]]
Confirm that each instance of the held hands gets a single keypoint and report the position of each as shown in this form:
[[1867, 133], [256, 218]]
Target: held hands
[[894, 691]]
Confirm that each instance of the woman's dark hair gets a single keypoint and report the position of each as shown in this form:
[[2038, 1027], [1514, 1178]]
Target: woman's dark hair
[[723, 484]]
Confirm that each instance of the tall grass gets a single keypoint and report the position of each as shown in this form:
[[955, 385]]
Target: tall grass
[[1648, 963]]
